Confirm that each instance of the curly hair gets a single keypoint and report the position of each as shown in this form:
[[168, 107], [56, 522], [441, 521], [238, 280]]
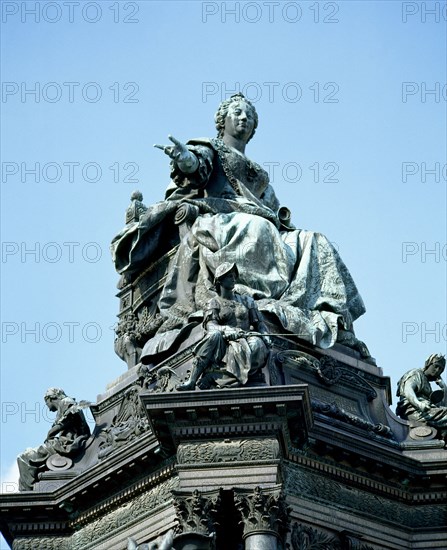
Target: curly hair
[[222, 112]]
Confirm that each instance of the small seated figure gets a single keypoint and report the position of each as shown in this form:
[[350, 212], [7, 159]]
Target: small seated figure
[[417, 401], [234, 347], [66, 437]]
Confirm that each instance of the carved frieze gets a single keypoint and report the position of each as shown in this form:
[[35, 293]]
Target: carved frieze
[[309, 485], [127, 514], [328, 371], [43, 543], [129, 423], [227, 450]]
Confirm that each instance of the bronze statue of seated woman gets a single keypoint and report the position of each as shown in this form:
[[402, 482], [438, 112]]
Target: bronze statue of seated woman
[[296, 277]]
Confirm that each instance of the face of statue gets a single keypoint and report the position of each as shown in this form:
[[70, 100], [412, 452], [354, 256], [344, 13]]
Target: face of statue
[[228, 280], [239, 122], [51, 403], [434, 371]]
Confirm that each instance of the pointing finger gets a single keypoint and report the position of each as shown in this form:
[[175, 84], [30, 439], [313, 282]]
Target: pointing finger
[[175, 141]]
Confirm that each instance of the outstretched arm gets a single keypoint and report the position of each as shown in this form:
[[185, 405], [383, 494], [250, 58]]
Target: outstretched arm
[[181, 155]]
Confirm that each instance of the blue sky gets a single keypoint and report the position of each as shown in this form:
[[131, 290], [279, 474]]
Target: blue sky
[[351, 98]]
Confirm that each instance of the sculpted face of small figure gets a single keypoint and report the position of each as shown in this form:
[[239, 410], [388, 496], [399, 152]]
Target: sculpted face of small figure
[[225, 277], [50, 403], [52, 397], [434, 369], [239, 122], [228, 280]]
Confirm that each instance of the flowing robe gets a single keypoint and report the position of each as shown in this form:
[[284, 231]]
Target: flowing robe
[[296, 277]]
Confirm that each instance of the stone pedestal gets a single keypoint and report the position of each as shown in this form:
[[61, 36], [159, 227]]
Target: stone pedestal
[[232, 441], [315, 460]]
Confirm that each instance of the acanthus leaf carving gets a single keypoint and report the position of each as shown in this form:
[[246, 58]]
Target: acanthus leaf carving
[[263, 509], [304, 537], [196, 513]]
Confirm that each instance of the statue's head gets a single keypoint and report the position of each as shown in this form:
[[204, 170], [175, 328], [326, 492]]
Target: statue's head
[[224, 269], [52, 395], [222, 113], [434, 366], [226, 273]]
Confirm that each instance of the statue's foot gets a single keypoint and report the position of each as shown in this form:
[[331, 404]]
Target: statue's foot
[[197, 369]]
